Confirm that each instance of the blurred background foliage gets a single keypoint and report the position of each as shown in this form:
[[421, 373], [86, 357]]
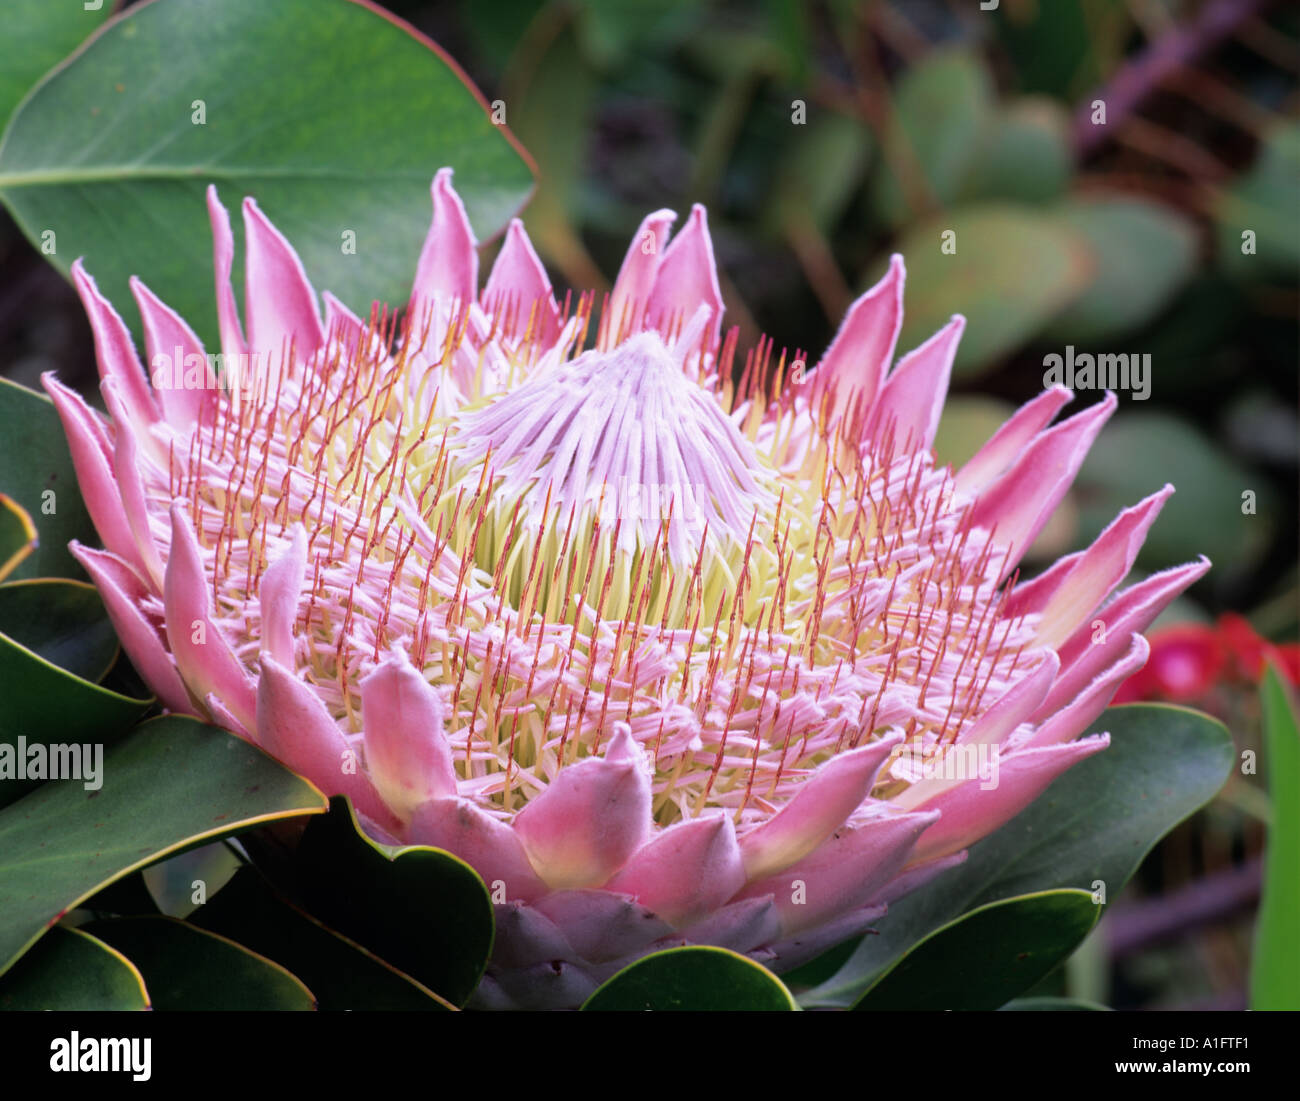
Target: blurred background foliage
[[822, 136]]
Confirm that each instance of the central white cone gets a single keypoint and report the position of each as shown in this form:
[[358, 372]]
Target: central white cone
[[622, 436]]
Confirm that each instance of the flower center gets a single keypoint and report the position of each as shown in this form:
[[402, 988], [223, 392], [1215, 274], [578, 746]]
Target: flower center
[[610, 465]]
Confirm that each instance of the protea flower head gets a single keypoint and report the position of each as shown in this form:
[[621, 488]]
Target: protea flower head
[[670, 646]]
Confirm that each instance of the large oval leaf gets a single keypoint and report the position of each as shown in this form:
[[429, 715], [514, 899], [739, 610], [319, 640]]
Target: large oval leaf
[[334, 116], [1013, 269], [988, 956], [1095, 823], [1024, 154], [940, 109], [1145, 252], [1137, 453], [1263, 202], [187, 968], [38, 35], [422, 910], [341, 974], [170, 783], [37, 473], [692, 978], [71, 970]]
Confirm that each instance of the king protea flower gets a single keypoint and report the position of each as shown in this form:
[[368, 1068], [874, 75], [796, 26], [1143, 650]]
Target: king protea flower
[[669, 647]]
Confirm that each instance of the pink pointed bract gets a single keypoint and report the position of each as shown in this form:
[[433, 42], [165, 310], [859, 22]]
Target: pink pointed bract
[[671, 648]]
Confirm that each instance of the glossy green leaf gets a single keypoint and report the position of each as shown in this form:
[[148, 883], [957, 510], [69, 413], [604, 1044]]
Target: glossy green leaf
[[1053, 1005], [37, 473], [190, 969], [62, 622], [55, 643], [38, 35], [422, 910], [341, 973], [1024, 154], [1094, 824], [1144, 254], [168, 784], [1012, 271], [1275, 963], [692, 978], [986, 957], [1263, 202], [348, 118], [71, 970], [1137, 454], [17, 535], [940, 108]]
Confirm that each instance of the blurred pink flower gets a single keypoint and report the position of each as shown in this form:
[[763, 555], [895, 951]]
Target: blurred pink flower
[[667, 656]]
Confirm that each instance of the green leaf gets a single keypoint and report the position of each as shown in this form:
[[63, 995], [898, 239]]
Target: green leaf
[[342, 974], [1264, 201], [334, 117], [692, 978], [1145, 252], [180, 884], [17, 535], [61, 622], [818, 177], [45, 625], [1275, 965], [1024, 155], [189, 969], [611, 31], [38, 35], [1012, 271], [1053, 1005], [560, 85], [422, 910], [169, 784], [986, 957], [37, 474], [71, 970], [789, 28], [1137, 454], [1065, 47], [941, 107], [1096, 822]]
